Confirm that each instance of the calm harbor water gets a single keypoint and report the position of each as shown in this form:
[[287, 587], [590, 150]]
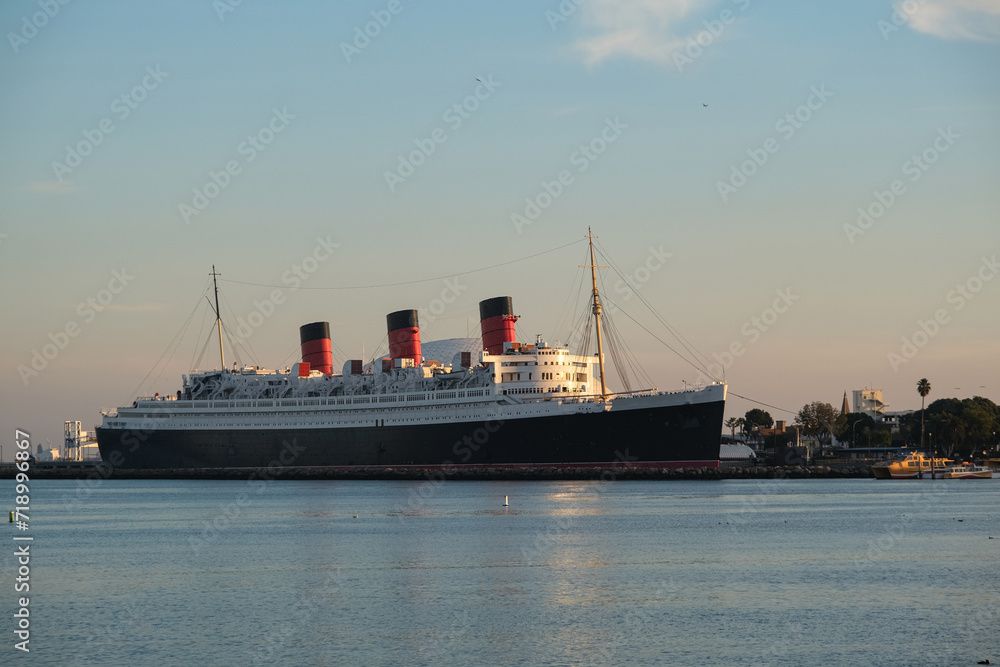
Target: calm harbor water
[[775, 572]]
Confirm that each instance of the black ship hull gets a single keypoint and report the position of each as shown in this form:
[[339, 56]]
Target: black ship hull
[[668, 436]]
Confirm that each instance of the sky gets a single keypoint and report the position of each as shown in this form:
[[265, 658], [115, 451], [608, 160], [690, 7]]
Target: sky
[[807, 192]]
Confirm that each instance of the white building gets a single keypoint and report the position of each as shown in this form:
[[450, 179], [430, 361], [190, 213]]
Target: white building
[[869, 401]]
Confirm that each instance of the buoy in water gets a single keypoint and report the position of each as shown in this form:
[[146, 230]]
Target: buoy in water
[[11, 517], [505, 503]]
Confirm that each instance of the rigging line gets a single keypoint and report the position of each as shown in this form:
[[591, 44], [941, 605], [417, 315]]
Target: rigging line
[[630, 364], [385, 339], [613, 348], [249, 348], [626, 354], [624, 351], [413, 282], [285, 364], [567, 307], [767, 405], [208, 339], [201, 330], [176, 346], [135, 392], [688, 345], [665, 344]]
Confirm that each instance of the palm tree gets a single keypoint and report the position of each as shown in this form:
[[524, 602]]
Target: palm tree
[[924, 388], [731, 424]]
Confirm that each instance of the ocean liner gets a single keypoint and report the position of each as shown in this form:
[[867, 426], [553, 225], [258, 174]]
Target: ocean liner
[[510, 404]]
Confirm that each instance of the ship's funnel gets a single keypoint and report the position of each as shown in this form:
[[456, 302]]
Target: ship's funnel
[[497, 318], [316, 348], [404, 335]]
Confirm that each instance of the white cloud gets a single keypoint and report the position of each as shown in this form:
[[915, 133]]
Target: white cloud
[[954, 19], [642, 29], [53, 187]]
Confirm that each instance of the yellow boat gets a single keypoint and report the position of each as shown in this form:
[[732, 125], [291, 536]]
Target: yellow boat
[[914, 466]]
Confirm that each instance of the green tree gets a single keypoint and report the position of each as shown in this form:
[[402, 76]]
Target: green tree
[[878, 437], [818, 419], [758, 418], [849, 432], [964, 425]]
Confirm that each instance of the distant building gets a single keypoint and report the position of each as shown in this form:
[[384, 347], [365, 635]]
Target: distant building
[[845, 409], [869, 402], [736, 455], [893, 419]]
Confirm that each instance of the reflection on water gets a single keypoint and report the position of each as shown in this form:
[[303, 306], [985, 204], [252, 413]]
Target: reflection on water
[[784, 572]]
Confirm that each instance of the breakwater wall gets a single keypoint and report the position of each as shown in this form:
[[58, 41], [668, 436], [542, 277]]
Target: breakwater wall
[[453, 473]]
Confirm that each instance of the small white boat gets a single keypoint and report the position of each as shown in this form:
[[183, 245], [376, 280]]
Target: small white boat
[[967, 471]]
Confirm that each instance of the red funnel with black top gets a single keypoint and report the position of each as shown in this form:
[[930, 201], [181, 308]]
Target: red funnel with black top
[[316, 348], [404, 335], [497, 319]]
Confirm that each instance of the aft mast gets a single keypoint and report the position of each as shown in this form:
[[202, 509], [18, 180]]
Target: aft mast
[[597, 315], [218, 316]]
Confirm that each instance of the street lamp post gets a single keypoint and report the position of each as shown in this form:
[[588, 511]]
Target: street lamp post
[[930, 443]]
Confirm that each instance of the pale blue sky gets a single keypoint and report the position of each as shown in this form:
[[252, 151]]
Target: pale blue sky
[[656, 185]]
